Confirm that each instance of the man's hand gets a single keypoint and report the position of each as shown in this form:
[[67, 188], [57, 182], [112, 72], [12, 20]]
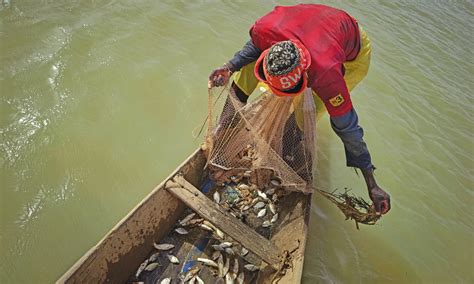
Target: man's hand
[[381, 200], [220, 76]]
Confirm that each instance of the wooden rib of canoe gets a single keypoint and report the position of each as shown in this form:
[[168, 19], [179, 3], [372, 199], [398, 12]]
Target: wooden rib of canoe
[[117, 256]]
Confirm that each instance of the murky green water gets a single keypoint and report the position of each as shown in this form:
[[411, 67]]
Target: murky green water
[[99, 100]]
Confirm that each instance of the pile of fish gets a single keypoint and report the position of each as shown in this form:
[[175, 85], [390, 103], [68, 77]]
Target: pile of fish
[[250, 196], [253, 200]]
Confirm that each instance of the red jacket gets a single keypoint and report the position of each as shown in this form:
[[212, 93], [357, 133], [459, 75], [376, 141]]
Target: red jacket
[[331, 37]]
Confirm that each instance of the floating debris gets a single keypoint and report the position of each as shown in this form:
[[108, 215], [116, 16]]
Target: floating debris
[[251, 267], [173, 259], [181, 231], [163, 246]]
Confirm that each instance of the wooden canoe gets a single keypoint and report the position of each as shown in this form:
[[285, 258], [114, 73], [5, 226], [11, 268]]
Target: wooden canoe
[[117, 256]]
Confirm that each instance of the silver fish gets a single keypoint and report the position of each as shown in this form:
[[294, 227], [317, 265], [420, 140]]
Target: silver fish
[[226, 267], [154, 257], [274, 218], [192, 281], [217, 197], [240, 278], [266, 224], [173, 259], [191, 273], [244, 252], [275, 182], [163, 246], [229, 251], [229, 279], [215, 255], [262, 213], [235, 268], [199, 280], [251, 267], [245, 208], [217, 247], [181, 231], [272, 208], [206, 227], [219, 233], [187, 219], [220, 266], [141, 268], [259, 205], [262, 195], [270, 191], [152, 266], [166, 281], [225, 245], [207, 262]]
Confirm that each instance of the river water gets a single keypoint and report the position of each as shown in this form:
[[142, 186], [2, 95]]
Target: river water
[[99, 100]]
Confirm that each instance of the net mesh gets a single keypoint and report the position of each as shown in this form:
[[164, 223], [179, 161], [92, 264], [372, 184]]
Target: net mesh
[[262, 139]]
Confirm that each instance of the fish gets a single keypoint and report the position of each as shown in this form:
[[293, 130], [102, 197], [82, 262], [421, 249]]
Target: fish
[[220, 266], [141, 268], [215, 255], [206, 227], [229, 279], [229, 251], [245, 208], [154, 257], [241, 278], [226, 267], [259, 205], [272, 208], [181, 231], [187, 219], [244, 252], [217, 197], [274, 218], [219, 233], [262, 195], [207, 262], [225, 245], [262, 213], [192, 281], [191, 273], [199, 280], [165, 281], [152, 266], [251, 267], [163, 246], [194, 221], [275, 182], [266, 224], [247, 174], [217, 247], [235, 268], [173, 259], [270, 191]]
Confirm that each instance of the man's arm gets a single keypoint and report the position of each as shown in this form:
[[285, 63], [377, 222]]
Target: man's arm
[[347, 128]]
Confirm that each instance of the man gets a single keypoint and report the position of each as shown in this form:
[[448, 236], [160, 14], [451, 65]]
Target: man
[[315, 46]]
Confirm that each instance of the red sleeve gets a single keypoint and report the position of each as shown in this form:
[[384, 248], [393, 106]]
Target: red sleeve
[[332, 90]]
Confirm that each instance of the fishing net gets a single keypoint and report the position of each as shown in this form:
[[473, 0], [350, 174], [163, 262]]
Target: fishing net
[[262, 140]]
